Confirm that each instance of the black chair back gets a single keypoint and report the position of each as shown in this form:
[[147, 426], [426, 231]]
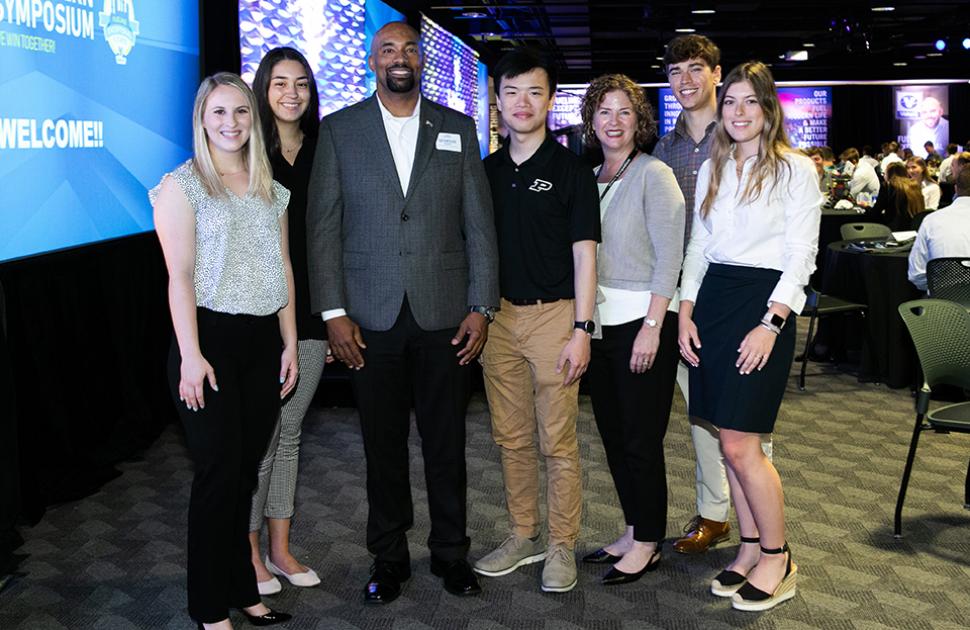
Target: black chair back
[[864, 230], [949, 279]]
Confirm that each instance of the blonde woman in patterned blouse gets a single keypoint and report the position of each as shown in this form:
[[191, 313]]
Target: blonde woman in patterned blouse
[[221, 220]]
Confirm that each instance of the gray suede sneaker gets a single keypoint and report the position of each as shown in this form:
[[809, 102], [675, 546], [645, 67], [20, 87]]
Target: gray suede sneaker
[[559, 574], [513, 553]]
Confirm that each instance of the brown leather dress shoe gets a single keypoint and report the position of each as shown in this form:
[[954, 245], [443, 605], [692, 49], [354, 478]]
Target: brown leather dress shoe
[[700, 534]]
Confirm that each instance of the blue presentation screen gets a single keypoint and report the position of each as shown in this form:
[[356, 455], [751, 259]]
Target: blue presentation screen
[[95, 106]]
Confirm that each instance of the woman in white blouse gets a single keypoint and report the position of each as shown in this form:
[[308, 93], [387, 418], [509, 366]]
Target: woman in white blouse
[[750, 256], [916, 168]]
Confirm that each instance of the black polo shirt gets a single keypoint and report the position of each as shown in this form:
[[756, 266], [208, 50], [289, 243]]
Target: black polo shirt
[[542, 207]]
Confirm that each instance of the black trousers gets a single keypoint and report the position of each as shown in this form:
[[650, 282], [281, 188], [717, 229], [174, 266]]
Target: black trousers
[[402, 362], [226, 441], [632, 412]]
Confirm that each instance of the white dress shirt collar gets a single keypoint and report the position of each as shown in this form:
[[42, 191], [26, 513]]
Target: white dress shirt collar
[[402, 136]]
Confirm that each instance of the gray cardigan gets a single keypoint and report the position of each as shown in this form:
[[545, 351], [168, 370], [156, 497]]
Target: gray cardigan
[[643, 230]]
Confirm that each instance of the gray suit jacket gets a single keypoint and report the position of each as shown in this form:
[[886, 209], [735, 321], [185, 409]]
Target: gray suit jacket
[[368, 244]]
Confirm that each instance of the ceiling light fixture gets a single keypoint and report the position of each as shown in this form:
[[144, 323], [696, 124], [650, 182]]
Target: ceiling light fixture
[[966, 43], [883, 9], [899, 63], [808, 45], [473, 14], [796, 55], [940, 45], [702, 11], [683, 30]]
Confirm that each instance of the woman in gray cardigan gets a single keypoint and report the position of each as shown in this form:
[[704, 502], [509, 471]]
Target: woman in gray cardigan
[[634, 365]]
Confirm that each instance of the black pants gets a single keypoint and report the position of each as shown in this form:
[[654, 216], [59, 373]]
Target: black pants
[[226, 441], [399, 363], [632, 411]]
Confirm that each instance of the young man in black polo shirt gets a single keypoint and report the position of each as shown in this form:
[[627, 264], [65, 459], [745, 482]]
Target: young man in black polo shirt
[[547, 217]]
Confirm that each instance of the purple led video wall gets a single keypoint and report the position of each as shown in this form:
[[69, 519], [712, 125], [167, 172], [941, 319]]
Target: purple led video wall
[[332, 34]]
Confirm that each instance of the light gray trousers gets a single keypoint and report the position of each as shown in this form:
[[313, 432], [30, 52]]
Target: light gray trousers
[[278, 470]]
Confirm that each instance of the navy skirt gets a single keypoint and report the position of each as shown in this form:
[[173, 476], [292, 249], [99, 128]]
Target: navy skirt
[[732, 301]]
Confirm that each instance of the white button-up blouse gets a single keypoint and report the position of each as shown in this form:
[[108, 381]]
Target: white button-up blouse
[[777, 230]]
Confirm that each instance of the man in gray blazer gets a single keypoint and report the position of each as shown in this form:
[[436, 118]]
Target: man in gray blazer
[[403, 267]]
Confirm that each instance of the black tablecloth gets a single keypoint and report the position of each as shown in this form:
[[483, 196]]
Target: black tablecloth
[[878, 280], [830, 232]]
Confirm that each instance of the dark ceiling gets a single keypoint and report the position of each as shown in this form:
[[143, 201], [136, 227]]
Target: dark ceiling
[[849, 41]]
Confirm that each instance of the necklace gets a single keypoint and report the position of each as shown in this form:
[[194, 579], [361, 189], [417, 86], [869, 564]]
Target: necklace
[[233, 173]]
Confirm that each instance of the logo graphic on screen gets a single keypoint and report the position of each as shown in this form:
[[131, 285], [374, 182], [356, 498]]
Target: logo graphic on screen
[[907, 104], [120, 27]]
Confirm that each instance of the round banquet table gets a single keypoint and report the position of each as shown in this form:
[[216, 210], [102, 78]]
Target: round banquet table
[[829, 232], [879, 280]]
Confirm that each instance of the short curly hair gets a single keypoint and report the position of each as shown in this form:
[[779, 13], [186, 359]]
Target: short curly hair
[[599, 88]]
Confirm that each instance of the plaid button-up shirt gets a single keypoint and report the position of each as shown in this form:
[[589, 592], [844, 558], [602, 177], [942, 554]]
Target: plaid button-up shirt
[[684, 156]]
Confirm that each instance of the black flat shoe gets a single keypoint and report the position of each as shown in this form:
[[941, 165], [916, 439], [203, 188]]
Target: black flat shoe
[[457, 576], [386, 583], [271, 618], [601, 556], [614, 576]]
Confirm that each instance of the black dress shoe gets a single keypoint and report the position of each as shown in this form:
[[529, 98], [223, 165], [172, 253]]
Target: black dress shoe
[[386, 582], [457, 576], [271, 618], [615, 576], [601, 556]]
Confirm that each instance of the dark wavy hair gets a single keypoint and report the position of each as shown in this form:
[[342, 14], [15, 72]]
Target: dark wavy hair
[[603, 85], [309, 122]]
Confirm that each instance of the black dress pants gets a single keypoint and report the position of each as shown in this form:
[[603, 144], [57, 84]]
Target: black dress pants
[[632, 412], [226, 441], [399, 363]]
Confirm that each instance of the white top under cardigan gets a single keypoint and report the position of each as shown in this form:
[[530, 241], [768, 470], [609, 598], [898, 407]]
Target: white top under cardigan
[[777, 230]]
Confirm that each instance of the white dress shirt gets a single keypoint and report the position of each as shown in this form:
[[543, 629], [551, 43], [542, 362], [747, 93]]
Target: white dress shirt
[[886, 161], [864, 179], [402, 136], [944, 233], [946, 170], [776, 230], [931, 195]]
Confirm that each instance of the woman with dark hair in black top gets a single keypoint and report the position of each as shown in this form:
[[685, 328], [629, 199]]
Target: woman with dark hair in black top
[[286, 94]]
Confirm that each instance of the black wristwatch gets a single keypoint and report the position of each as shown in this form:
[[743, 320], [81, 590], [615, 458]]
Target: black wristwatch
[[487, 311], [588, 326]]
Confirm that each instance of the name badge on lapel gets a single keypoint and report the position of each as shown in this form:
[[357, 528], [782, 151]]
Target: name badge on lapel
[[448, 142]]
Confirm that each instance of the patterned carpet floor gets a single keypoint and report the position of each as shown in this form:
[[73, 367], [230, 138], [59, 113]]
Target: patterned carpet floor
[[116, 560]]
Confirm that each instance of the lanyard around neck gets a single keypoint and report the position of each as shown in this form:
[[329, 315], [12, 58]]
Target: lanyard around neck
[[619, 172]]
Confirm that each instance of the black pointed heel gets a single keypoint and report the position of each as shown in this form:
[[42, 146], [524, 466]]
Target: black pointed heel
[[614, 576], [271, 618]]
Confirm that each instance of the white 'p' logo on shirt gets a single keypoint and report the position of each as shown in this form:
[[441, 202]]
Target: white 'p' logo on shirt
[[540, 185]]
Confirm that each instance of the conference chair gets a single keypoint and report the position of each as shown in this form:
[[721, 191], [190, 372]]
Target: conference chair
[[949, 279], [941, 333], [818, 305], [865, 230]]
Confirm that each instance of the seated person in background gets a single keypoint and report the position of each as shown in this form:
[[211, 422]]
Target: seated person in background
[[899, 200], [889, 156], [944, 234], [918, 172], [907, 153], [930, 151], [864, 178], [946, 166], [824, 175], [867, 156]]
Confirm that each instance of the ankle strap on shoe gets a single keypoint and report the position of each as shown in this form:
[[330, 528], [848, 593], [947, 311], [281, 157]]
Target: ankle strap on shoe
[[777, 551], [749, 539]]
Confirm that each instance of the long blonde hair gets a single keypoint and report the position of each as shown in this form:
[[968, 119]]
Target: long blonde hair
[[260, 171], [773, 147]]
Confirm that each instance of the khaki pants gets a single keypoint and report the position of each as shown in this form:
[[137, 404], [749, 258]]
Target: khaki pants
[[525, 394]]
